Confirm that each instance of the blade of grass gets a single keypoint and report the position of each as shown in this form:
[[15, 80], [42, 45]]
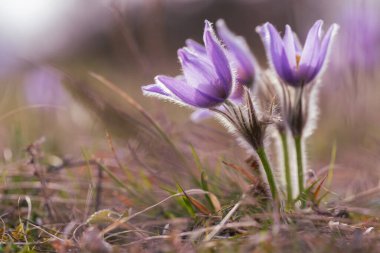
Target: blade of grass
[[204, 180], [87, 159], [332, 165], [196, 158], [303, 195], [186, 201], [204, 186], [318, 189], [322, 197], [113, 177]]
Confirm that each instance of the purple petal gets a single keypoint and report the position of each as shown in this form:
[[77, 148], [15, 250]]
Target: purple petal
[[188, 94], [196, 47], [311, 49], [200, 115], [239, 50], [218, 57], [297, 44], [200, 74], [276, 52], [326, 44], [154, 89], [203, 114], [324, 48], [290, 47], [237, 95]]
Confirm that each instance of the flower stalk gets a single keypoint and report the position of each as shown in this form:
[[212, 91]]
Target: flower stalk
[[251, 129], [298, 144], [288, 179], [268, 171]]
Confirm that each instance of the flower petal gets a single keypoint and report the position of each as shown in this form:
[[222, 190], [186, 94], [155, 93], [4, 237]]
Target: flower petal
[[237, 94], [240, 51], [311, 48], [188, 94], [200, 74], [196, 47], [290, 47], [324, 48], [276, 52], [297, 44], [326, 45], [154, 89], [218, 57], [200, 114]]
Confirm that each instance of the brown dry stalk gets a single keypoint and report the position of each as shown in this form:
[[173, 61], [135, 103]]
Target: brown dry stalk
[[138, 107], [243, 171]]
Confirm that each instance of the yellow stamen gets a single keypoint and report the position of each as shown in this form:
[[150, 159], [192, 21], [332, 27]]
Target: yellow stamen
[[298, 58]]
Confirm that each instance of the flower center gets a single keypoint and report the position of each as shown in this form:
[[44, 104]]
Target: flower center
[[298, 58]]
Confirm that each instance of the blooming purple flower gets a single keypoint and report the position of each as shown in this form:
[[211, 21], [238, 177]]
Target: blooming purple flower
[[239, 52], [295, 65], [241, 57], [207, 79]]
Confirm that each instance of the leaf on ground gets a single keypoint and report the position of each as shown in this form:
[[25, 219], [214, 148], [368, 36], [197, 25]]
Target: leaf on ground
[[198, 205], [105, 216]]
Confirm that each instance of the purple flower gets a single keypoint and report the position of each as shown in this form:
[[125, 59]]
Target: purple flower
[[43, 86], [295, 65], [241, 55], [236, 97], [359, 40], [207, 79], [239, 52]]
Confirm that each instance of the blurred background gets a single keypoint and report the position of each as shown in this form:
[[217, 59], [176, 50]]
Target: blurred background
[[48, 48]]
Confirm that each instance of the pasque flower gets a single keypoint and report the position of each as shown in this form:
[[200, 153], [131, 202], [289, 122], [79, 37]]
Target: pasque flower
[[239, 52], [240, 55], [207, 79], [295, 65]]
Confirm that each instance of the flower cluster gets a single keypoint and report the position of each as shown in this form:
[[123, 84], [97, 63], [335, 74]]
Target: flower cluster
[[216, 76], [297, 68]]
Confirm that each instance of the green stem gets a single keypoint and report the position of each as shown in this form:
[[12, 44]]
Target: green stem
[[288, 179], [268, 171], [298, 143]]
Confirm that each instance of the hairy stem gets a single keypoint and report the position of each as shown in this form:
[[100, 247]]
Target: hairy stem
[[298, 144], [288, 179], [268, 171]]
